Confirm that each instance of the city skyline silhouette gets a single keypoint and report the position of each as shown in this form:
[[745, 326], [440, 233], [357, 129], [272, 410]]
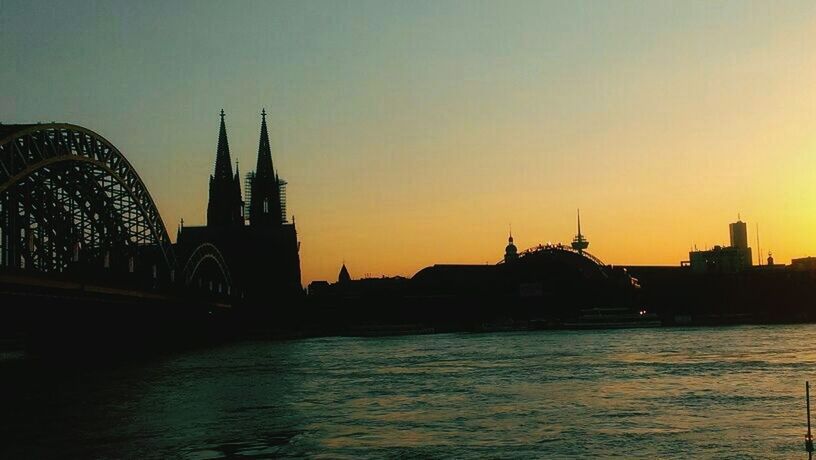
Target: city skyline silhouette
[[407, 228], [414, 133]]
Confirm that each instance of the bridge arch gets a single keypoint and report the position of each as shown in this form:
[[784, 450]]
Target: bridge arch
[[67, 194], [207, 262]]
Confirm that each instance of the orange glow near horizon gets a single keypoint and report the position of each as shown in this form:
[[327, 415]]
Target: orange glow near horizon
[[415, 133]]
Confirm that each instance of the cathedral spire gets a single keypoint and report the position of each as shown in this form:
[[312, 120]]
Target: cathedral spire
[[265, 204], [224, 208], [223, 162], [264, 167]]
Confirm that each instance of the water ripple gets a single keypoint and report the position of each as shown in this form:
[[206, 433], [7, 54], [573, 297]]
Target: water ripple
[[662, 393]]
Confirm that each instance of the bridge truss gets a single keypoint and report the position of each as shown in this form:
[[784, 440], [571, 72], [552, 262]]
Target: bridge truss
[[68, 198]]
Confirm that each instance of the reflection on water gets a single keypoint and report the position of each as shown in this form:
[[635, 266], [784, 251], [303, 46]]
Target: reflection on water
[[725, 393]]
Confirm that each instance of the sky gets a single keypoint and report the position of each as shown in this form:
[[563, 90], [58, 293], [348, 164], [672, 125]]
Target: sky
[[417, 132]]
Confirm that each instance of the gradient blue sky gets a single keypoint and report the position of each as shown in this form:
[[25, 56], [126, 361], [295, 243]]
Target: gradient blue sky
[[414, 132]]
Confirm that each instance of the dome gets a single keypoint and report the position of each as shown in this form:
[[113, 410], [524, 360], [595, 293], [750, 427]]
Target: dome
[[510, 251]]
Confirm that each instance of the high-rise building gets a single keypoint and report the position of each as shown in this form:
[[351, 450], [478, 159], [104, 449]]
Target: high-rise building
[[739, 234]]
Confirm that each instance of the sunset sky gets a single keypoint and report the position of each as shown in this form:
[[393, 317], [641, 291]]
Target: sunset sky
[[416, 132]]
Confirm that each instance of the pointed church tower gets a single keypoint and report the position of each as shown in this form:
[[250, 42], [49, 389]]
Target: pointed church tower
[[344, 276], [265, 208], [225, 206]]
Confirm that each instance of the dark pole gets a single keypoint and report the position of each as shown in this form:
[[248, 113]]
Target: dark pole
[[808, 437]]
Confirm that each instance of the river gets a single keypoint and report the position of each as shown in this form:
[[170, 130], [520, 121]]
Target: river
[[735, 392]]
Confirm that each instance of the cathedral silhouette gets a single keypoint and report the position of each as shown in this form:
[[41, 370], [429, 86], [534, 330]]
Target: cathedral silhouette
[[257, 242]]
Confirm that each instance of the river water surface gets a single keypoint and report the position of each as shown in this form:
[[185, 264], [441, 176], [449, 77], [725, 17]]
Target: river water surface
[[650, 393]]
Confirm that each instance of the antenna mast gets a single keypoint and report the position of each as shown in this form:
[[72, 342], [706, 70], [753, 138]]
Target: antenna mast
[[579, 243]]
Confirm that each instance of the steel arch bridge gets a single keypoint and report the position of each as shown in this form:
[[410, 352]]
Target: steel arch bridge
[[71, 202], [207, 265], [68, 195]]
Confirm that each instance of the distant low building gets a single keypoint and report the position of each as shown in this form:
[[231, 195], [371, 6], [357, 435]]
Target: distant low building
[[720, 260], [538, 287], [804, 263], [319, 287], [348, 288]]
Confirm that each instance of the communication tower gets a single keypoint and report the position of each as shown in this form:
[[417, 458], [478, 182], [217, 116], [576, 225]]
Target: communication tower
[[579, 243]]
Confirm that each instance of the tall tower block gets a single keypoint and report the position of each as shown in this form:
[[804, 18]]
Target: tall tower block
[[739, 234]]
